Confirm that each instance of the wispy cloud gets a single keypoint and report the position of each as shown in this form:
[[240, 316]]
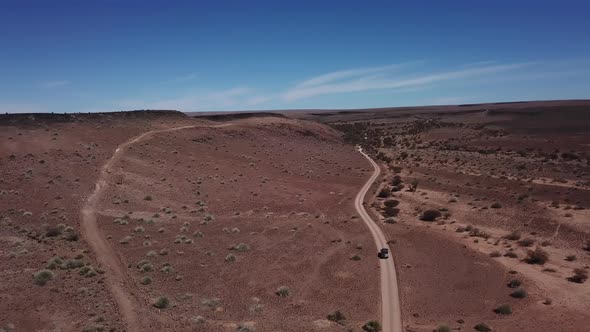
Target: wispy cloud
[[394, 78], [357, 80], [54, 84], [343, 74]]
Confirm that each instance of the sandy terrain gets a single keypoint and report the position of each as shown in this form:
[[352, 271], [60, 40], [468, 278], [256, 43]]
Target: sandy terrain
[[216, 220], [247, 222]]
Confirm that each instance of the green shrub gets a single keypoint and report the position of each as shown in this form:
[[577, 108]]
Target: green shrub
[[337, 317], [161, 302], [42, 277], [230, 258], [526, 242], [54, 263], [355, 257], [146, 280], [396, 180], [514, 236], [391, 203], [503, 309], [384, 193], [571, 258], [147, 268], [283, 291], [481, 327], [147, 198], [580, 276], [372, 326], [496, 205], [72, 236], [519, 293], [511, 254], [52, 231], [241, 247], [538, 256], [442, 328], [430, 215], [72, 264], [391, 211]]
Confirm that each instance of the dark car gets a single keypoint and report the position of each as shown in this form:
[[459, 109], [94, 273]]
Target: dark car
[[384, 253]]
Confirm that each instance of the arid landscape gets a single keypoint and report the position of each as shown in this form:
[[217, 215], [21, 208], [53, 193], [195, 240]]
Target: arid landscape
[[166, 221]]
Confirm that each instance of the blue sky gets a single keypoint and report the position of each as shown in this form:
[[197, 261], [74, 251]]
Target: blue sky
[[84, 56]]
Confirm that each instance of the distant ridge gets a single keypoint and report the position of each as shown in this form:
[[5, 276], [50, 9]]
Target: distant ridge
[[30, 118]]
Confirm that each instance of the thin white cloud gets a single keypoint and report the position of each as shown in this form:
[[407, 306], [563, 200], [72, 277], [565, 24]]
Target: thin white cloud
[[54, 84], [364, 83], [342, 74]]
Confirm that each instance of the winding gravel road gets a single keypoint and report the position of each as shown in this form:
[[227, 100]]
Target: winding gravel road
[[391, 312]]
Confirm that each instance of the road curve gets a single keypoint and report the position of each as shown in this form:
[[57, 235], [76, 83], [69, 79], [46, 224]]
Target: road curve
[[390, 309], [109, 261]]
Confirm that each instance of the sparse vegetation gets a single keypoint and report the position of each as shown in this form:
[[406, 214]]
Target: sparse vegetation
[[430, 215], [537, 256], [481, 327], [372, 326], [513, 236], [147, 198], [510, 254], [503, 309], [442, 328], [513, 283], [391, 203], [580, 276], [146, 280], [161, 302], [241, 247], [570, 258], [526, 242], [42, 277], [230, 258], [519, 293], [495, 253], [496, 205], [337, 317], [283, 291], [384, 193]]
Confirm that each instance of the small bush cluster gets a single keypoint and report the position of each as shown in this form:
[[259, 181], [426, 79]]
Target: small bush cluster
[[161, 302], [430, 215], [503, 309], [337, 317], [481, 327], [580, 276], [372, 326], [537, 256], [283, 291], [42, 277], [514, 236], [519, 293]]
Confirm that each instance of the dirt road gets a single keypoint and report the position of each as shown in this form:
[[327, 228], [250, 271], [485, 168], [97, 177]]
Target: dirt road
[[391, 312], [108, 260]]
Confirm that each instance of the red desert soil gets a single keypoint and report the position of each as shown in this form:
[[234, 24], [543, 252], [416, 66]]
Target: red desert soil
[[489, 171], [214, 221], [253, 225]]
